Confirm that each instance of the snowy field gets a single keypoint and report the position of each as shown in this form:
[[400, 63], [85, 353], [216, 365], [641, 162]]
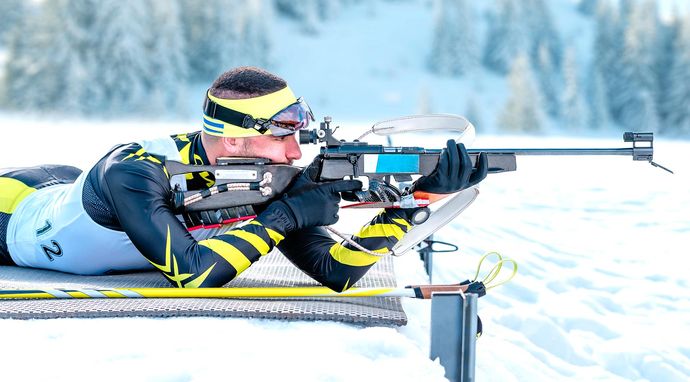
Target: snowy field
[[602, 292]]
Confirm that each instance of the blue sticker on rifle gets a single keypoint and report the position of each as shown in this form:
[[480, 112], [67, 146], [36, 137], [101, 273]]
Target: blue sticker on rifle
[[391, 163]]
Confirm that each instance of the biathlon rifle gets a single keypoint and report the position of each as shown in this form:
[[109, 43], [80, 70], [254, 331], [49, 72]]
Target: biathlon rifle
[[243, 185]]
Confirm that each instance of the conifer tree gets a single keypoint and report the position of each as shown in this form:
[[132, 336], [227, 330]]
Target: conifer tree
[[649, 116], [21, 71], [637, 70], [666, 55], [676, 105], [169, 65], [47, 49], [306, 12], [542, 35], [254, 37], [11, 13], [588, 7], [549, 80], [454, 48], [574, 112], [505, 39], [210, 36], [608, 49], [598, 116], [124, 63], [522, 112]]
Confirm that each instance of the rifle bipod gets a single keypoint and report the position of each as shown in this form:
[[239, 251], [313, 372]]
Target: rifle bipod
[[426, 252]]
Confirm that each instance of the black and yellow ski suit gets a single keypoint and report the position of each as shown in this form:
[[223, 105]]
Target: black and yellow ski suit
[[116, 217]]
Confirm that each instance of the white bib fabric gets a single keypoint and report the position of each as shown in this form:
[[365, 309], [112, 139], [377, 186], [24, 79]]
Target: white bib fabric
[[51, 230]]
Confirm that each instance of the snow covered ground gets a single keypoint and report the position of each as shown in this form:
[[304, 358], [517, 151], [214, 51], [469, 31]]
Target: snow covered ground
[[602, 292]]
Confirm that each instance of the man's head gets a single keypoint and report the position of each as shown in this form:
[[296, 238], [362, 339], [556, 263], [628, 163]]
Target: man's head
[[246, 82], [238, 103]]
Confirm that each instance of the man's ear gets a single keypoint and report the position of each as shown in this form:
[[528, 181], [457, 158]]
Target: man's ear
[[230, 145]]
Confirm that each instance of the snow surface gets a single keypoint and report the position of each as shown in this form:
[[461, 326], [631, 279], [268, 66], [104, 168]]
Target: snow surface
[[602, 292]]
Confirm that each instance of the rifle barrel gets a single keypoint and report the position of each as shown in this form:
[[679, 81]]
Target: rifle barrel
[[556, 151]]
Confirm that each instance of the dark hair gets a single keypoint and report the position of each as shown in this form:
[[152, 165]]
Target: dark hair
[[246, 82]]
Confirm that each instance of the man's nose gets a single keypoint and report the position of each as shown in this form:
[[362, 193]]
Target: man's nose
[[293, 152]]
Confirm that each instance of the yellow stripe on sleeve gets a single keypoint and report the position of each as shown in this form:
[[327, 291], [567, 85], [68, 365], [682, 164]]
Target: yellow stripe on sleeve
[[135, 154], [228, 252], [153, 159], [402, 222], [353, 257], [255, 240], [381, 230], [274, 235]]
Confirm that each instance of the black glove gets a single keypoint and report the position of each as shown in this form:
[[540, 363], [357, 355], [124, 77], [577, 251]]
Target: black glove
[[307, 204], [454, 171], [307, 178]]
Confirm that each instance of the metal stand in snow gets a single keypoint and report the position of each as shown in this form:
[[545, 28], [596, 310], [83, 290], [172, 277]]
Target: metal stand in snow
[[454, 333], [426, 252]]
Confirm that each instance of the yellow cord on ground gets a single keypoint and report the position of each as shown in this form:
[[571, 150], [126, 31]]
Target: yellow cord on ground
[[495, 270]]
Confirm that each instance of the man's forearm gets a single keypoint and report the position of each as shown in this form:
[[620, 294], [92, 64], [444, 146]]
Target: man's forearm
[[340, 265]]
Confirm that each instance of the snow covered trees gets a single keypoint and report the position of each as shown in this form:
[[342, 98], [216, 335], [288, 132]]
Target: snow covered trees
[[253, 40], [522, 112], [505, 38], [11, 12], [598, 105], [113, 57], [217, 41], [526, 28], [309, 13], [574, 112], [454, 48], [676, 104], [588, 7], [45, 68], [169, 64], [110, 57], [121, 54], [635, 100]]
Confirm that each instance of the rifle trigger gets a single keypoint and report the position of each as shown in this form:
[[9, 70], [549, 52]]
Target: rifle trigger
[[353, 159]]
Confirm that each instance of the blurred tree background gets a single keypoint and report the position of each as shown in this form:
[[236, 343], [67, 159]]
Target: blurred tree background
[[114, 58]]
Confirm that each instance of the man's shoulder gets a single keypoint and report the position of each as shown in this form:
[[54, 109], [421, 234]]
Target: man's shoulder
[[185, 138]]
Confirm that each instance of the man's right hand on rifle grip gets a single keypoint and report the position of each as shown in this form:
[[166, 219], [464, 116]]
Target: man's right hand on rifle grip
[[309, 204]]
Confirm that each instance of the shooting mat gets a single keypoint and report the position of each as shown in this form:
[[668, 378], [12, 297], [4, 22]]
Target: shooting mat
[[271, 270]]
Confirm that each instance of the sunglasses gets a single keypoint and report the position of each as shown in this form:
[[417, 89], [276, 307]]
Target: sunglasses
[[289, 120]]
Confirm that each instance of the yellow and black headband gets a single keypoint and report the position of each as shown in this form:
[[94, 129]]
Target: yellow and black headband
[[244, 117]]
